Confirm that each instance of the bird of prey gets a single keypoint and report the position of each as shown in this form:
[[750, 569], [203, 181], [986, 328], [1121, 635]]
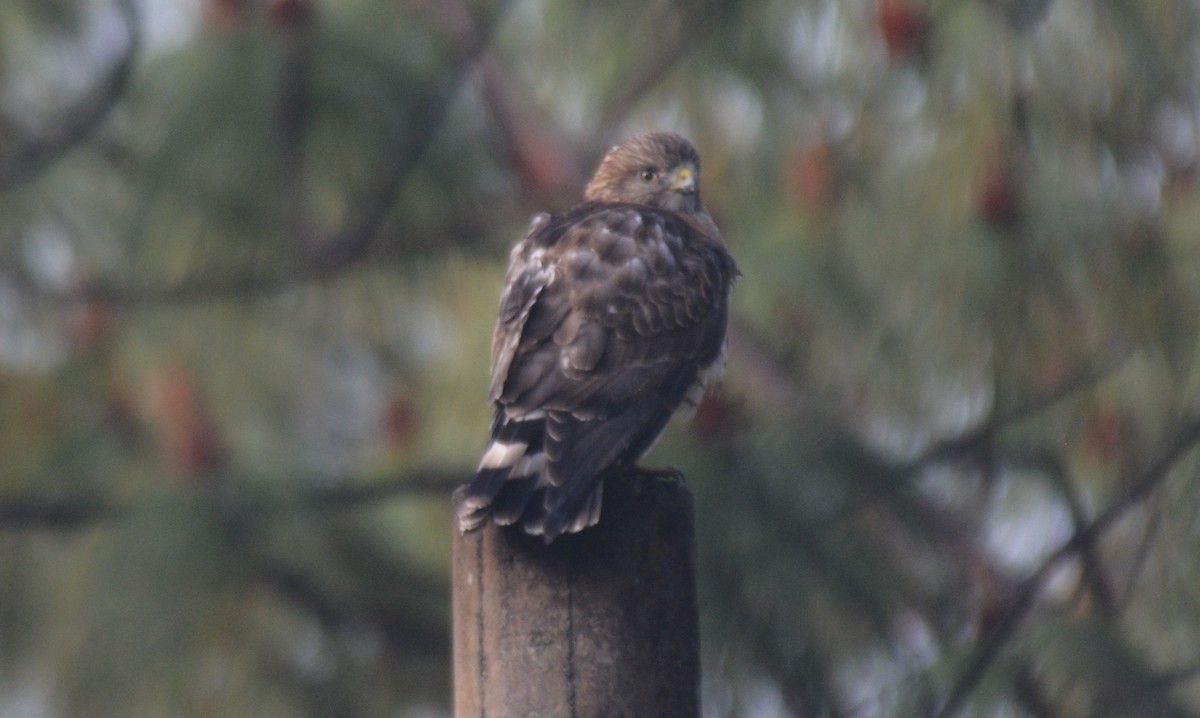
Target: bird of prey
[[612, 318]]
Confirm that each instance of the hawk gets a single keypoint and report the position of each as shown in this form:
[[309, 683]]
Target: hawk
[[612, 318]]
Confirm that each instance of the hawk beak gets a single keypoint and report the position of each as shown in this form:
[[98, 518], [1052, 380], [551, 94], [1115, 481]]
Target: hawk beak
[[684, 180]]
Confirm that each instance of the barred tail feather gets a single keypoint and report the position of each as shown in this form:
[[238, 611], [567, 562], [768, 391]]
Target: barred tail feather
[[472, 502], [513, 486], [550, 523], [510, 505], [557, 516], [507, 477], [547, 472]]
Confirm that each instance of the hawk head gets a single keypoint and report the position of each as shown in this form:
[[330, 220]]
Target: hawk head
[[657, 170]]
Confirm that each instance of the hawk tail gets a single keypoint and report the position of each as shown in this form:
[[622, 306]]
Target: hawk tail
[[565, 516], [507, 477], [511, 486]]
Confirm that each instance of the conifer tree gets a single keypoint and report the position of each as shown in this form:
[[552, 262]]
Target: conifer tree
[[250, 252]]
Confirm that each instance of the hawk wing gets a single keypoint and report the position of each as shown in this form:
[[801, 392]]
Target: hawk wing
[[612, 317]]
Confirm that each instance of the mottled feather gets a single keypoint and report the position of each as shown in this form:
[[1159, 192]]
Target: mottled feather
[[612, 318]]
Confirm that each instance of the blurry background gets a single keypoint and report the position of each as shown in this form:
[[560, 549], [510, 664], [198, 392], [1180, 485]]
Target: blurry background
[[250, 252]]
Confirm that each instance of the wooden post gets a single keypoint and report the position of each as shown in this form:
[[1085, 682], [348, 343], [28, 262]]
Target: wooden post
[[600, 623]]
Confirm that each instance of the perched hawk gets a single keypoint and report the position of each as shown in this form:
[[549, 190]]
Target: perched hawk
[[612, 318]]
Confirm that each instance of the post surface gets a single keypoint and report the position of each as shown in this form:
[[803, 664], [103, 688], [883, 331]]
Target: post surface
[[598, 624]]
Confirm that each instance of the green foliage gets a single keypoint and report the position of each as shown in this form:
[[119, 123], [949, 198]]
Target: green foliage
[[249, 259]]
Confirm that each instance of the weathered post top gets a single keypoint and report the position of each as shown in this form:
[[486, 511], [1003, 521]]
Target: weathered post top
[[597, 624]]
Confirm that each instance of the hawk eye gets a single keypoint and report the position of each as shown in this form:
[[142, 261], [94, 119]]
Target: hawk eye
[[648, 174]]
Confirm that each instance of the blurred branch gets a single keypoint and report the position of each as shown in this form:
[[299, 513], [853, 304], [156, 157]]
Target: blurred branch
[[293, 106], [693, 28], [407, 634], [28, 512], [1184, 674], [1140, 559], [464, 232], [1049, 463], [852, 584], [550, 170], [356, 238], [301, 589], [763, 374], [668, 56], [981, 437], [547, 166], [420, 484], [35, 154], [1183, 442], [1032, 696], [803, 676], [69, 514], [773, 383]]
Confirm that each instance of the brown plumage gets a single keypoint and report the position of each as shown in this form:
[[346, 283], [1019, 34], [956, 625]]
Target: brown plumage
[[612, 318]]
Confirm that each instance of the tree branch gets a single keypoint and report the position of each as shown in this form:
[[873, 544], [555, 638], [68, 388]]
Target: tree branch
[[1051, 464], [971, 441], [28, 512], [1032, 696], [425, 483], [293, 109], [71, 514], [36, 154], [1179, 445], [467, 233], [336, 613], [356, 238], [547, 166], [670, 52], [1140, 560]]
